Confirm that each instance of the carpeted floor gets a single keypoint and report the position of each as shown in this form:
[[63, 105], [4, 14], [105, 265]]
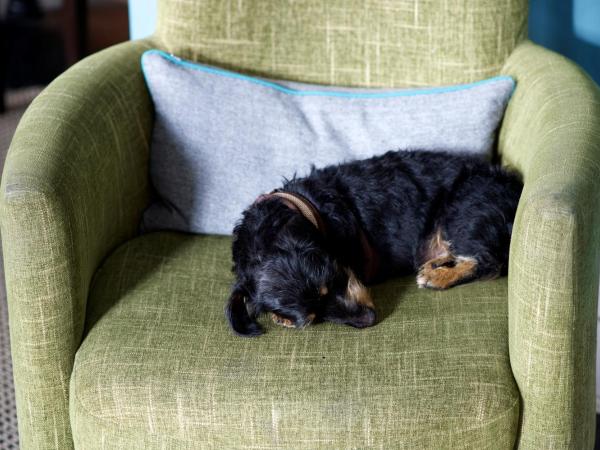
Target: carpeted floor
[[9, 436], [16, 103]]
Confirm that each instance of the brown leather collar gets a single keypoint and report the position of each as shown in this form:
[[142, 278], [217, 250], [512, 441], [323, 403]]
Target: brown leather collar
[[307, 209], [303, 206]]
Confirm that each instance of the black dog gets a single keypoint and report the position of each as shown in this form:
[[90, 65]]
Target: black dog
[[303, 252]]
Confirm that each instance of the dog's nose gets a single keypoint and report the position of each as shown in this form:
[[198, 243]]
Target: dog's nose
[[365, 318]]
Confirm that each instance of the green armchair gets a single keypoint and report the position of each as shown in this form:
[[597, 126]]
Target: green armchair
[[119, 340]]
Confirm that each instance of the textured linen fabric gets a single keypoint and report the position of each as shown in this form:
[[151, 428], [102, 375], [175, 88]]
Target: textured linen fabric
[[551, 134], [74, 186], [221, 139], [80, 157], [160, 368], [388, 43]]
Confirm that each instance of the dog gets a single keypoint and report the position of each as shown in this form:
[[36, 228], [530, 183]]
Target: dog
[[305, 252]]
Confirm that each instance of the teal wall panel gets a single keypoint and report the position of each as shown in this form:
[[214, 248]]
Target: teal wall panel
[[569, 27]]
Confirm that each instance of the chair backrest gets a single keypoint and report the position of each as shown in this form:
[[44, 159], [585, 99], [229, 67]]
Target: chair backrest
[[388, 43]]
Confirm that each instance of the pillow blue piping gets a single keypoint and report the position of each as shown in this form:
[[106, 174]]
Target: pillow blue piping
[[290, 91]]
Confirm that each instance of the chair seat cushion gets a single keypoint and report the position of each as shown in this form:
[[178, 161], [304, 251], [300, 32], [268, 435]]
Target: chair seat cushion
[[159, 368]]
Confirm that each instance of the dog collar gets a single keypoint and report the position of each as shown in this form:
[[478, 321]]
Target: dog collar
[[305, 207]]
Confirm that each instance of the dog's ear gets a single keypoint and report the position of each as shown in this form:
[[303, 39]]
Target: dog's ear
[[238, 315]]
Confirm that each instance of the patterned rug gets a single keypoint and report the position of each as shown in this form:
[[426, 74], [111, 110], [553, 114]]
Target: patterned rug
[[16, 103]]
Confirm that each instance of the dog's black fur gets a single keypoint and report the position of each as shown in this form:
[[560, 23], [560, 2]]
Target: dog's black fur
[[448, 217]]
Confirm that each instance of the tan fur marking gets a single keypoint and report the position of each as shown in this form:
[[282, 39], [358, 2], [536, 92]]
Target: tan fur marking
[[356, 292], [323, 291], [282, 321], [436, 247], [434, 274], [288, 323]]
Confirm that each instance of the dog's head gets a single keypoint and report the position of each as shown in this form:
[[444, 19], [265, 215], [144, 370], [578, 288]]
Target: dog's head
[[283, 266]]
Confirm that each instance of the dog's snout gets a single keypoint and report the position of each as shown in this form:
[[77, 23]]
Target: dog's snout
[[365, 318]]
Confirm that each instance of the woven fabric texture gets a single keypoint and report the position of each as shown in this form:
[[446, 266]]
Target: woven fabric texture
[[160, 365], [388, 43], [551, 133], [74, 186]]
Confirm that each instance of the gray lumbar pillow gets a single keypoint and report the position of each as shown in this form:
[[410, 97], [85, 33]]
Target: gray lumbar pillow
[[221, 138]]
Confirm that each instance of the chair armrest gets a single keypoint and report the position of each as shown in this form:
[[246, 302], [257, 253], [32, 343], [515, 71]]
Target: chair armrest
[[74, 186], [551, 134]]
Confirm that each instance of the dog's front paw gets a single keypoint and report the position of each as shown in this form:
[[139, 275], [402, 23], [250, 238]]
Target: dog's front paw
[[445, 272]]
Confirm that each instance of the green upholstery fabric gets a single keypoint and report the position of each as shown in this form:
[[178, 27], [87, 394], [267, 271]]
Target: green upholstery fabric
[[389, 43], [551, 133], [74, 185], [159, 364]]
